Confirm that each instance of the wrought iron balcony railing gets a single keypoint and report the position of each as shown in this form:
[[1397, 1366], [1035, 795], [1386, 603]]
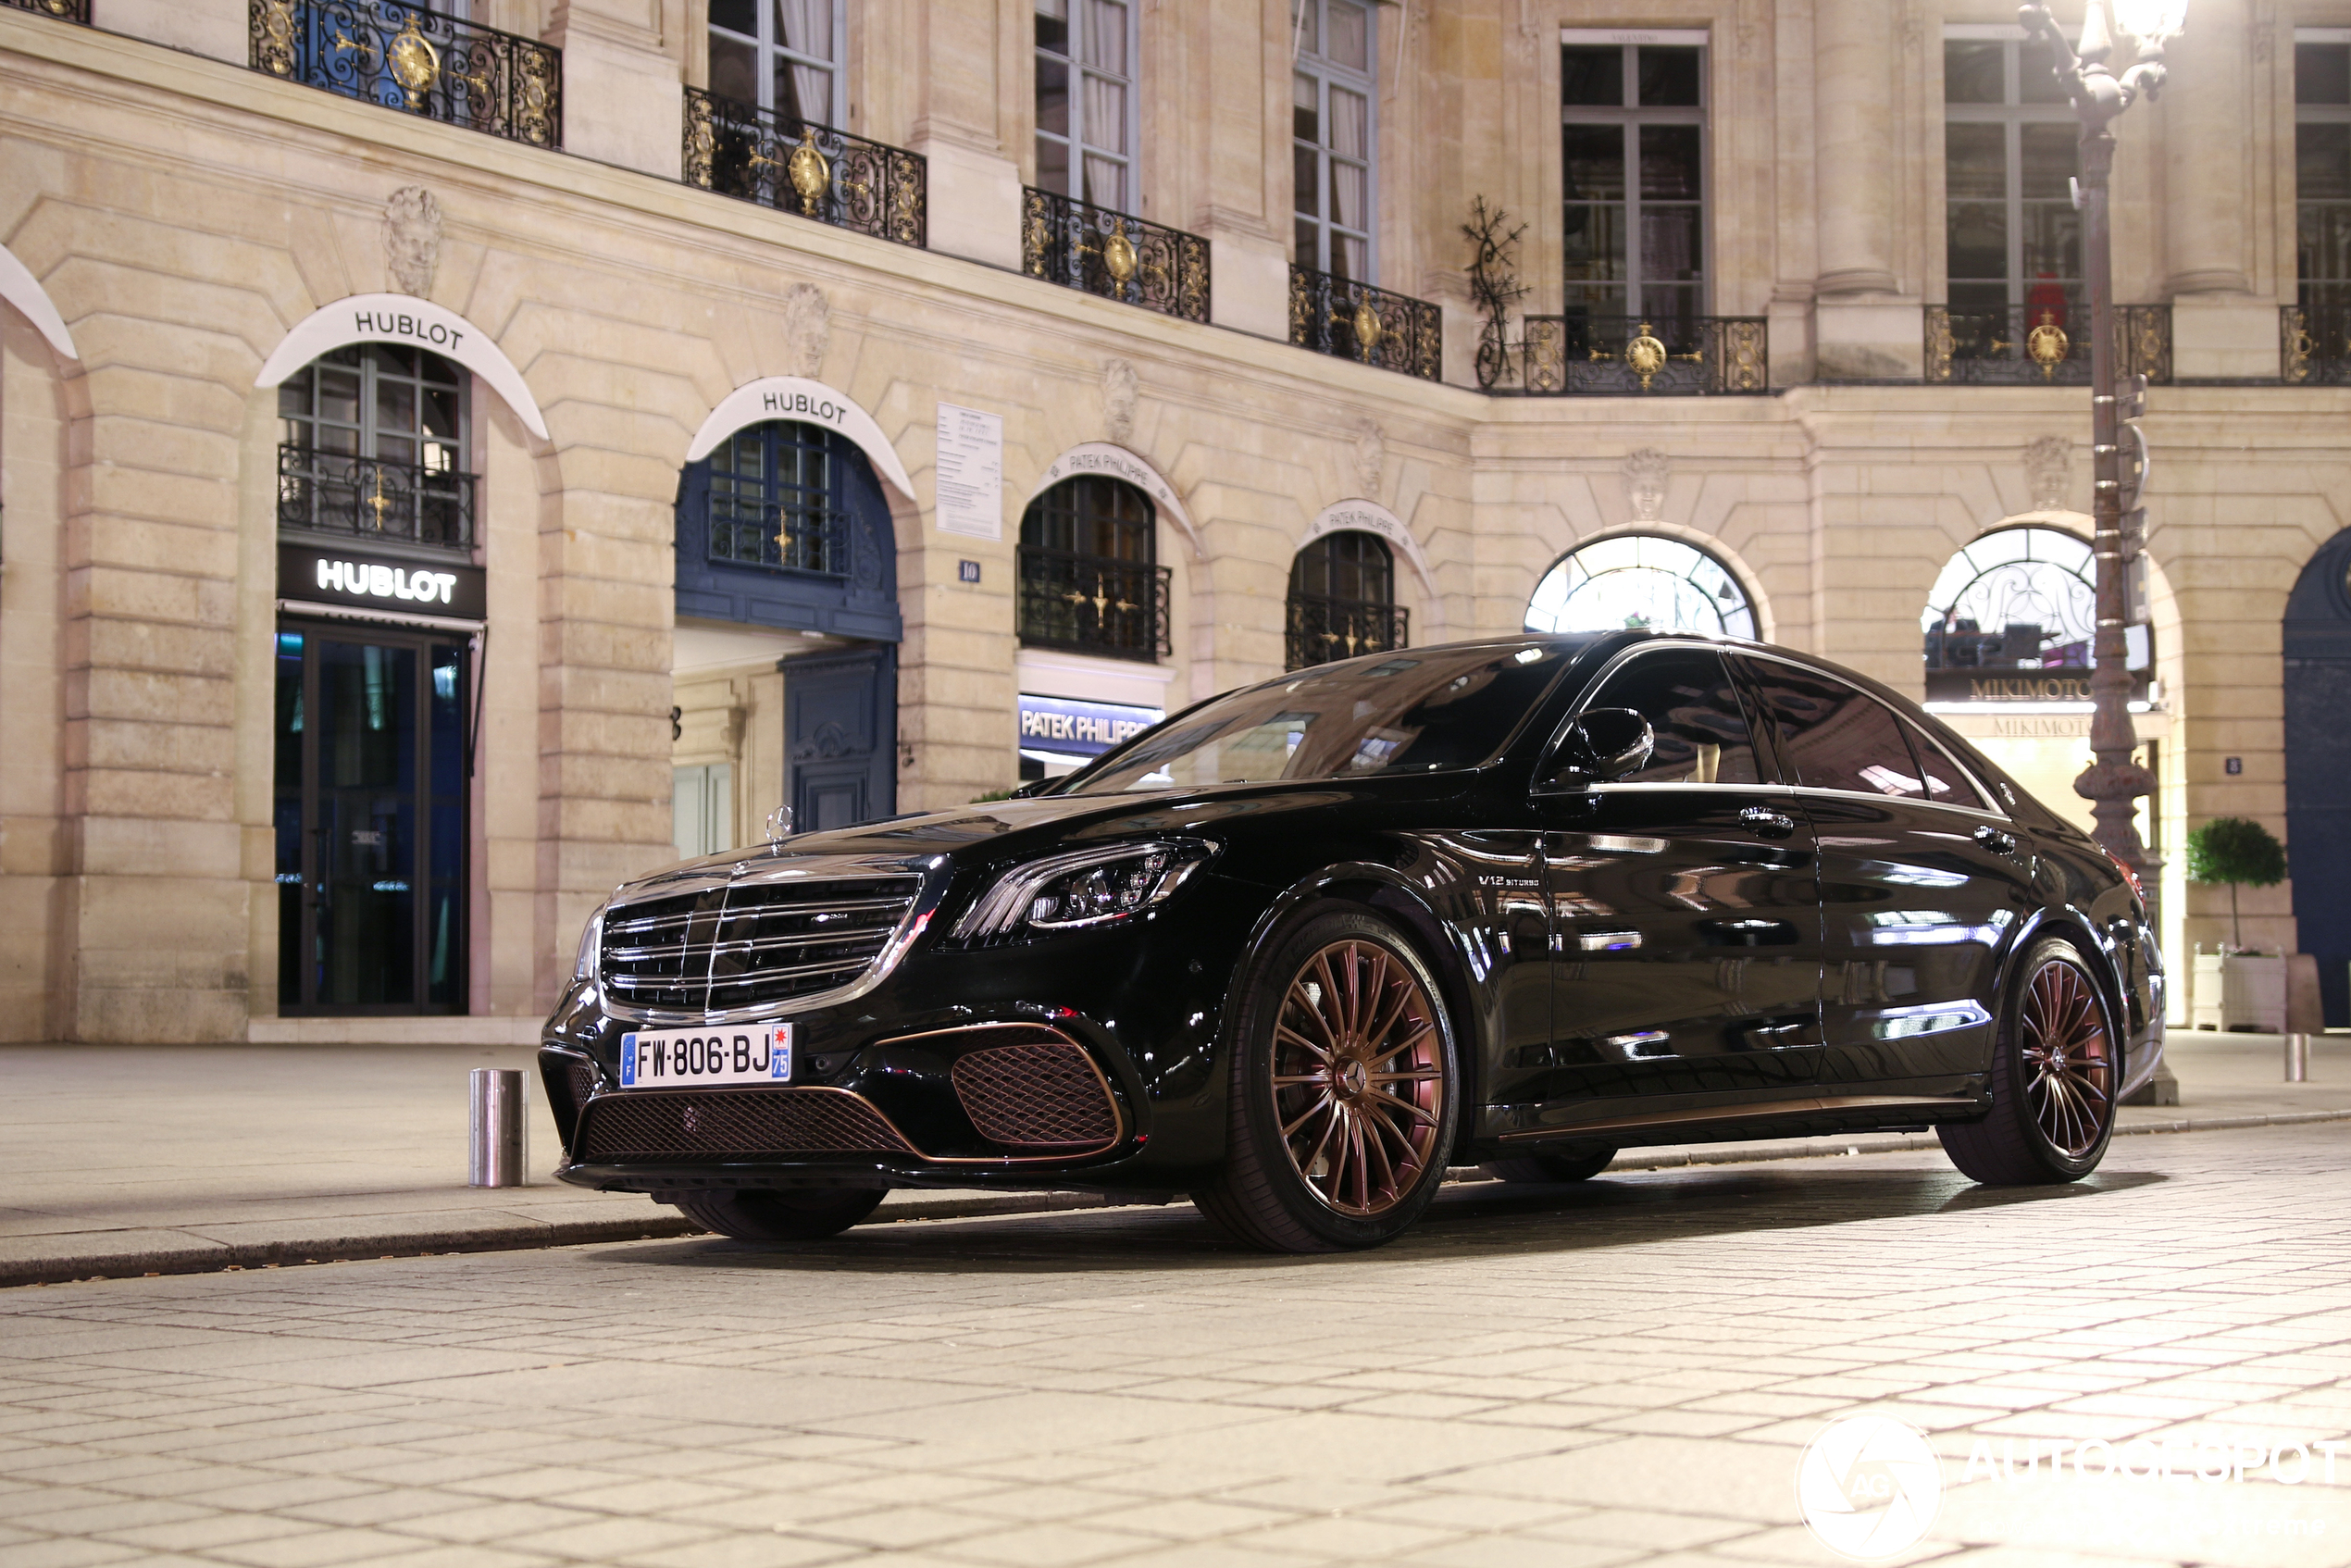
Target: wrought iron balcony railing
[[1351, 320], [1580, 356], [67, 10], [405, 58], [2042, 345], [332, 493], [1093, 604], [2314, 344], [800, 167], [1319, 630], [1080, 246]]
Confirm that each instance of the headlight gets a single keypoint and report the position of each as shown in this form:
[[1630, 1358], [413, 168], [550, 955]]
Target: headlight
[[591, 939], [1070, 892]]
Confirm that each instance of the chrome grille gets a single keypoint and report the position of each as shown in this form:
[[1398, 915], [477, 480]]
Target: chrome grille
[[719, 950]]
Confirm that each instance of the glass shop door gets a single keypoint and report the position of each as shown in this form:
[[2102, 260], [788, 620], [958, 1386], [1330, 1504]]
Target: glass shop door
[[372, 798]]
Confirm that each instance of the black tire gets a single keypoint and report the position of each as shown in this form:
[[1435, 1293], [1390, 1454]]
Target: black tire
[[1537, 1169], [794, 1215], [1359, 1163], [2057, 1068]]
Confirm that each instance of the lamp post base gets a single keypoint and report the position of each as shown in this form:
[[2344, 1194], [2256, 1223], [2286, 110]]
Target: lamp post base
[[2160, 1089]]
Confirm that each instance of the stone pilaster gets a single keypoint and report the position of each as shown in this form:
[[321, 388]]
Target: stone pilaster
[[1862, 327], [2219, 327], [975, 182], [621, 99]]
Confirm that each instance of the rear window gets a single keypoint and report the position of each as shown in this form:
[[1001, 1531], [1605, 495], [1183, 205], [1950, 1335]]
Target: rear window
[[1836, 736]]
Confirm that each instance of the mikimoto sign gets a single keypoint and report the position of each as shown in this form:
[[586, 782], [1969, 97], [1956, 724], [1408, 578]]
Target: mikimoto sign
[[331, 575]]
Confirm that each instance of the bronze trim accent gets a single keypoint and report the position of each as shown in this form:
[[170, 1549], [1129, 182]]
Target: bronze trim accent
[[1817, 1106]]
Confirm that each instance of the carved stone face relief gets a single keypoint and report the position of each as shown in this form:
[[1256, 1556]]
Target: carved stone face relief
[[2048, 472], [1120, 387], [1644, 473], [412, 240], [807, 328]]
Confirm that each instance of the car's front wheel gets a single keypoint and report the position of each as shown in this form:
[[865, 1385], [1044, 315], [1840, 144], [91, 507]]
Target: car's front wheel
[[1344, 1091], [792, 1215], [2057, 1067]]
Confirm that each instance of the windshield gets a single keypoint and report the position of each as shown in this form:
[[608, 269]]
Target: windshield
[[1406, 712]]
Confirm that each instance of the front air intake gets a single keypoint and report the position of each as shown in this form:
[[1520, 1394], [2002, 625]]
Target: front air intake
[[757, 1123], [1040, 1094]]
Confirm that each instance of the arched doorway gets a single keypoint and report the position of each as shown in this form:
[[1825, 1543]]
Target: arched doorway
[[2317, 768], [787, 633], [378, 643], [1642, 580]]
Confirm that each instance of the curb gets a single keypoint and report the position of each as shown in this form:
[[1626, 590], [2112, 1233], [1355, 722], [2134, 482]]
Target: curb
[[149, 1253]]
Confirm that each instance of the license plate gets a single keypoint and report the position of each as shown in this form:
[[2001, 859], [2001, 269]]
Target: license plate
[[758, 1053]]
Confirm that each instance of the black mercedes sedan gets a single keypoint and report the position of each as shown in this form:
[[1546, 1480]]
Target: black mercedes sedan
[[1301, 947]]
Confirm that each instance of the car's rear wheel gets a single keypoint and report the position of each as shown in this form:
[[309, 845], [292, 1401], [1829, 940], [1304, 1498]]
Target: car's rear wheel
[[1539, 1168], [2057, 1067], [793, 1214], [1344, 1092]]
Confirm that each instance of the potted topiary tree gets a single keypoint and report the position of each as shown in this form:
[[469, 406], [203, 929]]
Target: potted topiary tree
[[2234, 988]]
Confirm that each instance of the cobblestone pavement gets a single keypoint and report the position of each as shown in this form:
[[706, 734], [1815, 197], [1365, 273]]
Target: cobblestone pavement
[[1621, 1373]]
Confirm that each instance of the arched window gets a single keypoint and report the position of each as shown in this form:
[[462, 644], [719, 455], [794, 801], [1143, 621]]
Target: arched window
[[784, 525], [374, 440], [1089, 576], [1342, 599], [1640, 581], [2018, 599]]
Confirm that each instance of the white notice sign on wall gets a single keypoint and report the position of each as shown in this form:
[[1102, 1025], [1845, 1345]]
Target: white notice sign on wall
[[971, 472]]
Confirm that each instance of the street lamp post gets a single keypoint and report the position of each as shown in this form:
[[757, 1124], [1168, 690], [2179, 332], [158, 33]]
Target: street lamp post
[[2113, 781]]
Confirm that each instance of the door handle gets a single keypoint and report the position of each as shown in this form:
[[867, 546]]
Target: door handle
[[1992, 839], [1767, 823]]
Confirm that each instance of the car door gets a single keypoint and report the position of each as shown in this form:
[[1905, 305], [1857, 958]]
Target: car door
[[1685, 924], [1923, 882]]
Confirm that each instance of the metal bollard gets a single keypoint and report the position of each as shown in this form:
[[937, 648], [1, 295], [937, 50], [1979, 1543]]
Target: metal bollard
[[2297, 1059], [501, 1129]]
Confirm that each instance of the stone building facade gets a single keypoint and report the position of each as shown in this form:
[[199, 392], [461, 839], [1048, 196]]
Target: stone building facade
[[527, 245]]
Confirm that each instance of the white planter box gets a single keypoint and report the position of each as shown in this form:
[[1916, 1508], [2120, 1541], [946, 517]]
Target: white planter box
[[2239, 991]]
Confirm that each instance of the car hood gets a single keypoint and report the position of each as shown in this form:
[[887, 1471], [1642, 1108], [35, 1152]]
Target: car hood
[[1009, 829]]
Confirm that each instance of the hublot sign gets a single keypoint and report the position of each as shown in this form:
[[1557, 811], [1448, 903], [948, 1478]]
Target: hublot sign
[[360, 580]]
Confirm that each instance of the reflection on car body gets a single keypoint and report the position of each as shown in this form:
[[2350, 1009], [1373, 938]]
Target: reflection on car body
[[1299, 948]]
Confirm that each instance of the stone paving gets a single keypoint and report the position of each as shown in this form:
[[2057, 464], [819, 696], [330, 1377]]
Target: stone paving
[[1621, 1373]]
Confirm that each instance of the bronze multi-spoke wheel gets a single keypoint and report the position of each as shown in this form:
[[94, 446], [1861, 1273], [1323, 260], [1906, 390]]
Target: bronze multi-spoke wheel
[[1343, 1091], [1359, 1081], [2056, 1070]]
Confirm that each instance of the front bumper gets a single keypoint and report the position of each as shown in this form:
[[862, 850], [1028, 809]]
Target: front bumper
[[1082, 1060]]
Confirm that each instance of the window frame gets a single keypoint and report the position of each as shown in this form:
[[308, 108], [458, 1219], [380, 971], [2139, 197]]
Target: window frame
[[1747, 664], [1074, 143], [1326, 73], [780, 497], [1632, 116], [2334, 291], [768, 52], [2011, 115]]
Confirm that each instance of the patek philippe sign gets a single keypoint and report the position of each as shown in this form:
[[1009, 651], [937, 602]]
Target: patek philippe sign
[[357, 580], [1070, 727]]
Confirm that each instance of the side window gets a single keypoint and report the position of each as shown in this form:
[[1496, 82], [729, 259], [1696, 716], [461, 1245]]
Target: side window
[[1947, 781], [1686, 695], [1832, 736]]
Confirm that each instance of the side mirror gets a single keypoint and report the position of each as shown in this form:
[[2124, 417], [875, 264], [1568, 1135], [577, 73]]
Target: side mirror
[[1600, 745]]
